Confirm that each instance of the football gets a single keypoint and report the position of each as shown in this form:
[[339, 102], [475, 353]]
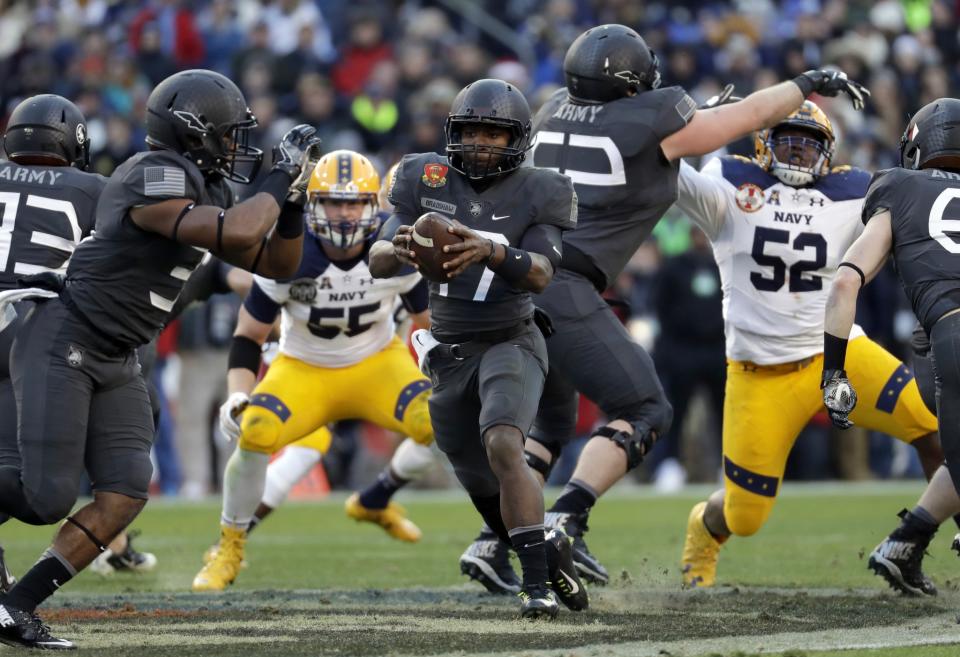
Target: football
[[429, 237]]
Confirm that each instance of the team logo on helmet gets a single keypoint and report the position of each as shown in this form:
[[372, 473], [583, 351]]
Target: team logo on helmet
[[434, 175], [749, 197], [303, 290], [191, 120], [81, 134]]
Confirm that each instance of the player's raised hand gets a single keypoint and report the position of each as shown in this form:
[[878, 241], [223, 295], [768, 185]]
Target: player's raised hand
[[725, 96], [230, 415], [839, 397], [292, 154], [830, 82], [473, 249], [401, 246]]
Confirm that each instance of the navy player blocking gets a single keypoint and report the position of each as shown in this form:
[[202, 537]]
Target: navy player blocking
[[619, 137], [910, 213], [488, 359], [74, 365]]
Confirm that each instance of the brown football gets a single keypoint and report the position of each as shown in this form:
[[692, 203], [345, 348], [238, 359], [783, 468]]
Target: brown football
[[429, 237]]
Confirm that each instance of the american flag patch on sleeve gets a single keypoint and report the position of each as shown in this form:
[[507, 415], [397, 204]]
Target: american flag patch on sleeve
[[164, 181]]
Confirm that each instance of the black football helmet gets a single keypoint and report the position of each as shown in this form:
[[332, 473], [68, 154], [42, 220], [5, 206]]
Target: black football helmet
[[203, 116], [47, 127], [932, 136], [608, 62], [493, 102]]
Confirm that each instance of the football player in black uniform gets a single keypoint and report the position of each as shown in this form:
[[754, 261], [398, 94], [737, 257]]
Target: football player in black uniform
[[488, 359], [48, 207], [910, 212], [80, 399], [619, 137]]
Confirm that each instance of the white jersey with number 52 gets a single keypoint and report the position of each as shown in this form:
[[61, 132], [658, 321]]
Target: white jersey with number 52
[[777, 248]]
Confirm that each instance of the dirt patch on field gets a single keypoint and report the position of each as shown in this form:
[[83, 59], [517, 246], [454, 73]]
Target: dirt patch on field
[[460, 621]]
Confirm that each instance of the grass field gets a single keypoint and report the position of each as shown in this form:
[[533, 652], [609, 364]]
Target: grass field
[[320, 584]]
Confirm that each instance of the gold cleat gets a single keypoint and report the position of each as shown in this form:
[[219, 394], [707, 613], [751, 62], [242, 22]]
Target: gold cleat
[[211, 553], [220, 572], [700, 552], [393, 519]]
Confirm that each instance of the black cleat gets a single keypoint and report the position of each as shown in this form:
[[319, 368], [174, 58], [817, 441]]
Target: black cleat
[[23, 630], [129, 560], [899, 557], [955, 546], [563, 573], [538, 603], [6, 579], [487, 560], [574, 525]]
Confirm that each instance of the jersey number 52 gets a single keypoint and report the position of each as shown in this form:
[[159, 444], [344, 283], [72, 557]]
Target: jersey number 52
[[799, 282]]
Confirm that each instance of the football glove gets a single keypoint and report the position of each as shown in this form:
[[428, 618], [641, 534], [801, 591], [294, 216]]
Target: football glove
[[292, 154], [230, 415], [830, 82], [725, 96], [839, 397]]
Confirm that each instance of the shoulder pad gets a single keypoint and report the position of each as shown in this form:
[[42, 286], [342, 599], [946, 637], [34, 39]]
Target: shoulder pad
[[844, 183], [738, 170]]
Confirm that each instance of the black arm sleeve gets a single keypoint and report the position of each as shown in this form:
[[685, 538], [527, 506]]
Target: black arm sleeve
[[389, 228], [417, 299], [546, 240]]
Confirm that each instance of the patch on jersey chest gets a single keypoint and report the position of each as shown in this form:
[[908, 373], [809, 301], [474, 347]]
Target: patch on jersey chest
[[475, 207], [749, 197], [304, 290], [434, 175]]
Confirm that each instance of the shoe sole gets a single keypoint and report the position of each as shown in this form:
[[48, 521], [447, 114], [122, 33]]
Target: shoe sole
[[537, 614], [894, 577], [480, 571], [591, 574], [37, 646]]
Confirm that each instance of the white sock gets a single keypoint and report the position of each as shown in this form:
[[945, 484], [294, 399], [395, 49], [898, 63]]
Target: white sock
[[286, 470], [411, 460], [243, 482]]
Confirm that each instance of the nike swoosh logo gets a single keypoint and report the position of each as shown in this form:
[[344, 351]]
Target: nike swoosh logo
[[517, 257], [496, 218], [558, 251], [574, 588]]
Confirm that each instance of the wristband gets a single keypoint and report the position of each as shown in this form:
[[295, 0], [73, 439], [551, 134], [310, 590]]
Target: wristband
[[834, 352], [277, 185], [290, 221], [805, 83], [515, 265], [244, 354]]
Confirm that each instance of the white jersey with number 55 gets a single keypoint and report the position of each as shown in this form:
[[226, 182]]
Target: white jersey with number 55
[[777, 248]]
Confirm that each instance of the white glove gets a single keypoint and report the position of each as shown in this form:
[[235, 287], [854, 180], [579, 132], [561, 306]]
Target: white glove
[[230, 415]]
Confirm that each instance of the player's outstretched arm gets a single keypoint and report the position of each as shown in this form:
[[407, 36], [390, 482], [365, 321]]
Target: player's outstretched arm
[[239, 235], [711, 128], [392, 251], [861, 263]]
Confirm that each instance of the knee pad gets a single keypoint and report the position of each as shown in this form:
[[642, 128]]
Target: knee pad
[[634, 447], [260, 430]]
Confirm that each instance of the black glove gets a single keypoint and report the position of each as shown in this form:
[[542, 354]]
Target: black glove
[[839, 397], [298, 190], [829, 82], [292, 154], [725, 96]]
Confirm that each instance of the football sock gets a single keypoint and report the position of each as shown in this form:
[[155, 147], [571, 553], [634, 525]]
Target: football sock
[[922, 514], [528, 543], [576, 497], [243, 483], [940, 499], [40, 582], [489, 508], [377, 495], [411, 460], [486, 534], [285, 471], [253, 524]]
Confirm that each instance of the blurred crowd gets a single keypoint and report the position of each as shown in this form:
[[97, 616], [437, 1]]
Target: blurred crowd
[[379, 77]]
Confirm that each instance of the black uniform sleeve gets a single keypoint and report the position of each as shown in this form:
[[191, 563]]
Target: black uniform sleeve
[[556, 200], [403, 192], [417, 299], [160, 176], [545, 239], [675, 111], [880, 194], [260, 306]]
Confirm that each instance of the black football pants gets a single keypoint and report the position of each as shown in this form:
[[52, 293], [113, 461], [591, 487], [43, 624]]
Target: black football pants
[[945, 345]]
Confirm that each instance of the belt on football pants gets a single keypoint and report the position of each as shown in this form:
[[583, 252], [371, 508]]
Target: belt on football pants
[[460, 347], [793, 366]]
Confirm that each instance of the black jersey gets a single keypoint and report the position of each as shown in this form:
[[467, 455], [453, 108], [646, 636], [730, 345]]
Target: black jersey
[[924, 208], [44, 213], [611, 152], [126, 280], [477, 300]]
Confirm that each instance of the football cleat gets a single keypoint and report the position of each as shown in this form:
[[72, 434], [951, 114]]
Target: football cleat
[[574, 525], [955, 546], [538, 603], [487, 560], [211, 553], [700, 552], [899, 557], [24, 630], [6, 579], [563, 572], [222, 570], [129, 560], [393, 519]]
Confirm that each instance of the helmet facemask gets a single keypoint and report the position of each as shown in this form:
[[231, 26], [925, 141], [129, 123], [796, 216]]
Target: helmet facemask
[[222, 148], [801, 160], [342, 233], [479, 161]]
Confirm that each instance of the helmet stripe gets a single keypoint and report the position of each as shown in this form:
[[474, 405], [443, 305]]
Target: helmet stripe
[[344, 168]]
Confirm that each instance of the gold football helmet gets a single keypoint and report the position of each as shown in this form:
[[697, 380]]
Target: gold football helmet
[[809, 157], [343, 176]]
